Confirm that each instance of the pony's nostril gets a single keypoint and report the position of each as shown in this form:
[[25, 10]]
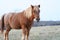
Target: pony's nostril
[[38, 19]]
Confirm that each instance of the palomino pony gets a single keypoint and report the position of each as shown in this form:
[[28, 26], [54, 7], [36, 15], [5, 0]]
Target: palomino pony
[[21, 20]]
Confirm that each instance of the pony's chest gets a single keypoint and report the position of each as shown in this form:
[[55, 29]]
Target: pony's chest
[[25, 22], [29, 24]]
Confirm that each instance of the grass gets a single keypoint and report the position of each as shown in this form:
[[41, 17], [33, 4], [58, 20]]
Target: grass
[[37, 33]]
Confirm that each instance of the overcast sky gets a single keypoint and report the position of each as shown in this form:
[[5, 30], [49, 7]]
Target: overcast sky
[[50, 9]]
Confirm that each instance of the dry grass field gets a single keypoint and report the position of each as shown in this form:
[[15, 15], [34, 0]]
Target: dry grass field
[[37, 33]]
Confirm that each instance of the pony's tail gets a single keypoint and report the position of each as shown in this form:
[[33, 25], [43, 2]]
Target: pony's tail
[[2, 25]]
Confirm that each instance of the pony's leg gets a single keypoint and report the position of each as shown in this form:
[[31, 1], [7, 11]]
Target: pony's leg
[[23, 36], [27, 34], [6, 34], [23, 32]]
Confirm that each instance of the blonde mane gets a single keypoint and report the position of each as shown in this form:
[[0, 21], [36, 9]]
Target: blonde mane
[[28, 12]]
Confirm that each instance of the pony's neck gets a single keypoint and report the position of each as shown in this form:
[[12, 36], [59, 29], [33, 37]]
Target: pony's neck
[[31, 19], [28, 12]]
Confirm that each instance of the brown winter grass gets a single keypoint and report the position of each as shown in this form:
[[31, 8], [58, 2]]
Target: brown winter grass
[[36, 33]]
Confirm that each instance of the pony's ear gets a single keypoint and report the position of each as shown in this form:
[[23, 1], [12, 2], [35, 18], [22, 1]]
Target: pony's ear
[[32, 6], [39, 6]]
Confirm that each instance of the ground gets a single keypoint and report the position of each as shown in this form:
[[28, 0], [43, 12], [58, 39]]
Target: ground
[[37, 33]]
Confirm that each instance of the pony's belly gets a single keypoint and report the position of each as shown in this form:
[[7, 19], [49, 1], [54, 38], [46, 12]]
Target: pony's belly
[[16, 27]]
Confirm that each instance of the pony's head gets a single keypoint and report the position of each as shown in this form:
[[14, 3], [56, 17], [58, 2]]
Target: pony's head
[[35, 12]]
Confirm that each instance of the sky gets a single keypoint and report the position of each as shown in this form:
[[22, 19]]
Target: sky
[[49, 10]]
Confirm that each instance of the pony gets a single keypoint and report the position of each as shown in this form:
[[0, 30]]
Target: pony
[[21, 20]]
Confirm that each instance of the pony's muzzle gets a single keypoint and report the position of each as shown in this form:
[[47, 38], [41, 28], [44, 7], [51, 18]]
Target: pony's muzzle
[[38, 19]]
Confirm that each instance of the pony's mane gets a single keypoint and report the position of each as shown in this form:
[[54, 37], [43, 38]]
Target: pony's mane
[[28, 12]]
